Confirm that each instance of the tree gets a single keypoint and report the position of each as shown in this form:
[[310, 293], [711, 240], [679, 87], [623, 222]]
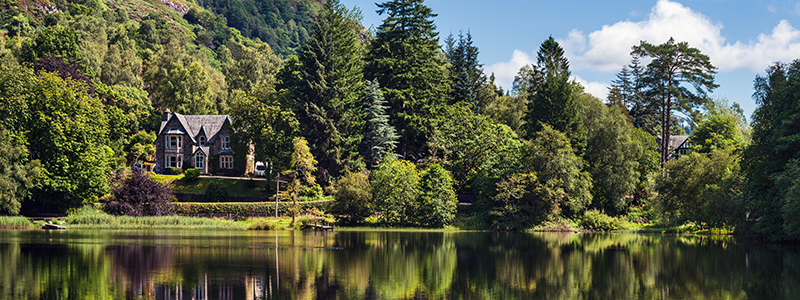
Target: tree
[[381, 138], [329, 90], [404, 58], [722, 126], [465, 72], [771, 153], [17, 175], [550, 100], [437, 201], [139, 195], [395, 188], [302, 168], [57, 41], [352, 198], [629, 90], [672, 65]]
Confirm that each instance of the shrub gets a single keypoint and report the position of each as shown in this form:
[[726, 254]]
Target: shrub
[[139, 195], [596, 220], [245, 207], [437, 203], [395, 188], [173, 171], [15, 223], [216, 192], [314, 191], [192, 174], [353, 198]]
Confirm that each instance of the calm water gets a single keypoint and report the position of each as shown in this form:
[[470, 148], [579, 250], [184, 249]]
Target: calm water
[[388, 265]]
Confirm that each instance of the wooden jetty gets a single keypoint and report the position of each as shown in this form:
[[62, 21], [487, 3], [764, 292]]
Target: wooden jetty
[[316, 227], [48, 226]]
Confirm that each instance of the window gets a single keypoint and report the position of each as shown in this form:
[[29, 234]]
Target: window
[[200, 161], [225, 162], [202, 141], [173, 161], [226, 142], [173, 142]]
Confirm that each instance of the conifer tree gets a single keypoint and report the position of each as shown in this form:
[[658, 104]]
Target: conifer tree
[[405, 59], [381, 139], [329, 90], [466, 73]]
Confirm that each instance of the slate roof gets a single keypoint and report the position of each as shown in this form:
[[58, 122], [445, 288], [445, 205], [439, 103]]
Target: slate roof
[[210, 125]]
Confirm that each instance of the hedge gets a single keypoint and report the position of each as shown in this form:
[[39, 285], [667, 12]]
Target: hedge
[[192, 208]]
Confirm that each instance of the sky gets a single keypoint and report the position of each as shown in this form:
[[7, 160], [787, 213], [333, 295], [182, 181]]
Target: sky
[[742, 38]]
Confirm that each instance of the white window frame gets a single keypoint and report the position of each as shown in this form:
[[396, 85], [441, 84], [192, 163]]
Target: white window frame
[[226, 142], [170, 138], [178, 161], [226, 162], [199, 160]]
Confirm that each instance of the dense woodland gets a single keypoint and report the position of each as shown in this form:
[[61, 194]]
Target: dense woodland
[[391, 123]]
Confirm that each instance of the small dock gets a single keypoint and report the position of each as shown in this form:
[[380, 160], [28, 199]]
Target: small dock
[[316, 227], [48, 226]]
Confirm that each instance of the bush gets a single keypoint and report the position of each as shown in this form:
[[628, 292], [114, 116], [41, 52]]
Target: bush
[[437, 203], [139, 195], [15, 223], [395, 188], [192, 174], [173, 171], [246, 207], [216, 192], [596, 220], [314, 191], [353, 198]]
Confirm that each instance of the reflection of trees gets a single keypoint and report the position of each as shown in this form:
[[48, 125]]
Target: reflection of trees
[[400, 265]]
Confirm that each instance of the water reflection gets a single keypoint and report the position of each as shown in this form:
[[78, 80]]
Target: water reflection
[[388, 265]]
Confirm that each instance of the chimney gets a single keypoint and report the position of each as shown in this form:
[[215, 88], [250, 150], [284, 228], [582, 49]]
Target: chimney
[[167, 114]]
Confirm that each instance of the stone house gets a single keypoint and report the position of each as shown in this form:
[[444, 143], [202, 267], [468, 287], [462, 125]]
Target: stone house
[[202, 142]]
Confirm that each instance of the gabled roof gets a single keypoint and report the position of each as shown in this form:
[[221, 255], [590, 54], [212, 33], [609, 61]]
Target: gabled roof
[[675, 141], [193, 125]]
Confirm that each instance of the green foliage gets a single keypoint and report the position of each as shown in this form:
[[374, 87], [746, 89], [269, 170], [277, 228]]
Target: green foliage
[[173, 171], [472, 147], [788, 183], [596, 220], [353, 198], [465, 72], [381, 138], [216, 192], [774, 145], [58, 41], [88, 217], [329, 90], [672, 65], [404, 59], [15, 223], [703, 188], [508, 110], [17, 175], [612, 154], [395, 188], [192, 175], [246, 207], [723, 127], [437, 200]]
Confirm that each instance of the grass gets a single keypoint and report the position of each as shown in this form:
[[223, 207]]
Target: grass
[[16, 223], [235, 187], [90, 218]]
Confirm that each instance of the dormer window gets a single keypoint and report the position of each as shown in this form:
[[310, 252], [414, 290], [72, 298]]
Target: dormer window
[[202, 140], [226, 142]]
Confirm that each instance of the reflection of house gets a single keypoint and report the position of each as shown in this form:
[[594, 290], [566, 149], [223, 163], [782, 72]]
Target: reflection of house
[[679, 146], [202, 142]]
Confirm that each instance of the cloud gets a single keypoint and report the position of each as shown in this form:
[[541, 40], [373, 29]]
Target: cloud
[[608, 49], [597, 89], [504, 72]]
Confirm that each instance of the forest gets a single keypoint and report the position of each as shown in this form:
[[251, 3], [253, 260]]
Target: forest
[[395, 125]]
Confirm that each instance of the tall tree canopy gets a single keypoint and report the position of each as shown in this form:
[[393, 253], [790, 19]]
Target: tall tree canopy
[[329, 90], [465, 72], [405, 59], [672, 65]]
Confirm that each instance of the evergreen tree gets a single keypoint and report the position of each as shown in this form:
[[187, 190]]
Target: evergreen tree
[[405, 59], [466, 73], [551, 101], [329, 90], [381, 139]]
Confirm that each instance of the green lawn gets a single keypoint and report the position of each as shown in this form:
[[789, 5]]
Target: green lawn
[[235, 187]]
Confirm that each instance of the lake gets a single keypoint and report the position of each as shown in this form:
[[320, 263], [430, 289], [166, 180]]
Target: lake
[[92, 264]]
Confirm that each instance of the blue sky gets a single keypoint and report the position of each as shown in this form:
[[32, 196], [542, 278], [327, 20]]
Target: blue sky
[[742, 38]]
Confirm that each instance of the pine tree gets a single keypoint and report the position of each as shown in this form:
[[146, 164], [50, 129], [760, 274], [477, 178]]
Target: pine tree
[[466, 73], [329, 90], [552, 100], [404, 58], [381, 140]]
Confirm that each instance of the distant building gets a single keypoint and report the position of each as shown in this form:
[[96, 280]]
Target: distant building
[[679, 146], [202, 142]]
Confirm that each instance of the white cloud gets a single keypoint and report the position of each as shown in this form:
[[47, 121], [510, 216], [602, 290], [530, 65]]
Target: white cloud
[[608, 49], [597, 89], [504, 72]]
